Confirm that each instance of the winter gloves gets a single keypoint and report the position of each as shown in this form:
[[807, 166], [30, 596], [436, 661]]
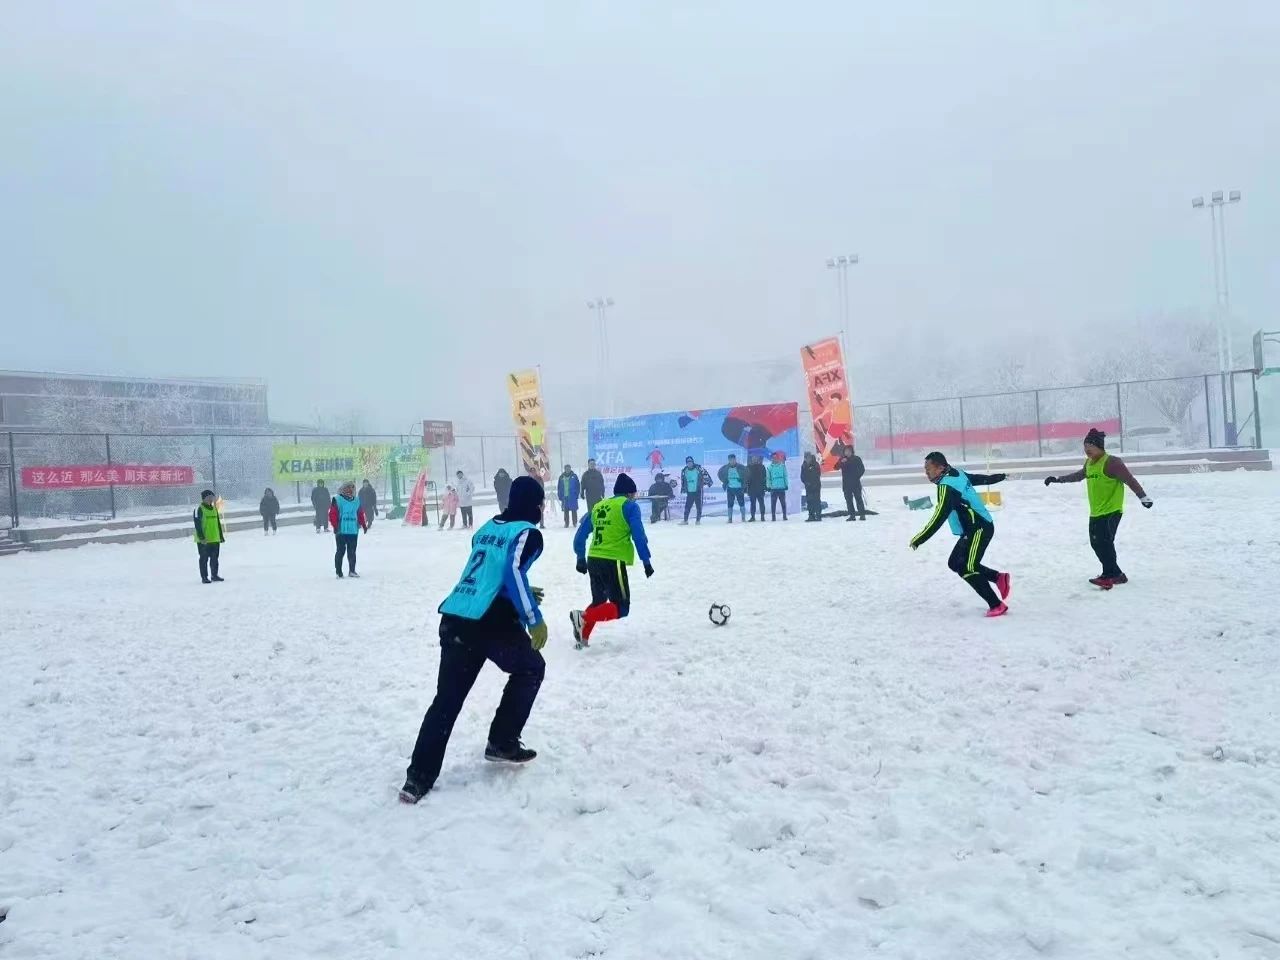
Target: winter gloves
[[1146, 502], [538, 636], [582, 565], [648, 570], [1049, 480]]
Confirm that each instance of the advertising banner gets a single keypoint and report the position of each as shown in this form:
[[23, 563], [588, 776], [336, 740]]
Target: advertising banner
[[652, 448], [437, 433], [103, 475], [307, 463], [531, 423], [824, 375]]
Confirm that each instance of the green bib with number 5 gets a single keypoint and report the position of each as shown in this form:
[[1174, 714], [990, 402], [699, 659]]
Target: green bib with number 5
[[611, 539]]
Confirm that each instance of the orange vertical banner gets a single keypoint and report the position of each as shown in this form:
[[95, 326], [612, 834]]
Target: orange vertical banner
[[413, 515], [525, 390], [824, 375]]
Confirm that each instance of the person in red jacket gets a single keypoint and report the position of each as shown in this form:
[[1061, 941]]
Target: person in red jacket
[[347, 518]]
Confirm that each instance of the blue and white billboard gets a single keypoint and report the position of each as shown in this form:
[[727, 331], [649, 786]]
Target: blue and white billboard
[[652, 448]]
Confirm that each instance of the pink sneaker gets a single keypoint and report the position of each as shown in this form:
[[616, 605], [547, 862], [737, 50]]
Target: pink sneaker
[[999, 611], [1103, 583], [1004, 583]]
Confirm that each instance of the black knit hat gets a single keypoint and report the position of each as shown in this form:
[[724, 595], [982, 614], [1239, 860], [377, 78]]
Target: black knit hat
[[1096, 438], [525, 502], [205, 493], [623, 486]]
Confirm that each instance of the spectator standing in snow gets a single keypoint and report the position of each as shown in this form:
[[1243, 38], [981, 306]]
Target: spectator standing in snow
[[347, 518], [269, 507], [1106, 477], [466, 497], [502, 487], [209, 536], [733, 478], [811, 478], [851, 471], [320, 500], [757, 483], [491, 615], [692, 480], [592, 485], [368, 503], [449, 506], [569, 492], [778, 483]]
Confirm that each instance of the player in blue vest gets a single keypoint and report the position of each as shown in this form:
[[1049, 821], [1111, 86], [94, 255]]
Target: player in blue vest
[[492, 614], [961, 507], [347, 518]]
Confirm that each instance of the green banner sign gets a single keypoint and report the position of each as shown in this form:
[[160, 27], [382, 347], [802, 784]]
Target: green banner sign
[[307, 463]]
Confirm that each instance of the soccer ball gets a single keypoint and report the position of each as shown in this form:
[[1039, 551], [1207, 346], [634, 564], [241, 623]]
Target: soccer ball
[[719, 614]]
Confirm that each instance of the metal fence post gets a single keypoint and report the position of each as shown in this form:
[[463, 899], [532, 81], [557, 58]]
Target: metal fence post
[[111, 487], [1208, 412], [560, 437], [1039, 433], [297, 484], [484, 471], [964, 450], [213, 461], [891, 460], [1257, 423], [13, 482], [1235, 419], [1120, 416]]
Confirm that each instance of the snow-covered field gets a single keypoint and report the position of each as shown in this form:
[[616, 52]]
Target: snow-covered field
[[859, 765]]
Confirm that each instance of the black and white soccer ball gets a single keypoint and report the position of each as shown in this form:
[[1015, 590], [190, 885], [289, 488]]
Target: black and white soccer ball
[[719, 614]]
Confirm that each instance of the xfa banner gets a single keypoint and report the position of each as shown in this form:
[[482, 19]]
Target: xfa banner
[[530, 421], [307, 463], [824, 375], [652, 448]]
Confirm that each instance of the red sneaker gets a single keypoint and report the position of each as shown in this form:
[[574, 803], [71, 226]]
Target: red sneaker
[[1004, 583], [999, 611], [1104, 583], [1120, 579]]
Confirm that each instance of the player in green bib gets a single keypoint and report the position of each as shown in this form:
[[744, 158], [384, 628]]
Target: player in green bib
[[1106, 476], [606, 543]]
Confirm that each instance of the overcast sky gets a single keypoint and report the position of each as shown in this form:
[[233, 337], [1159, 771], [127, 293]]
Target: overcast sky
[[387, 206]]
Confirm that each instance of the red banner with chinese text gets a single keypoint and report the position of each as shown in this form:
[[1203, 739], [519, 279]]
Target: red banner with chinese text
[[101, 475]]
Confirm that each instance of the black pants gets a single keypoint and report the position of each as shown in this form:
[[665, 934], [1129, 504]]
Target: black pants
[[776, 497], [852, 498], [690, 500], [609, 583], [468, 517], [208, 559], [322, 518], [737, 496], [571, 516], [966, 562], [1102, 537], [465, 645], [268, 523], [813, 500], [658, 507], [346, 543], [757, 498]]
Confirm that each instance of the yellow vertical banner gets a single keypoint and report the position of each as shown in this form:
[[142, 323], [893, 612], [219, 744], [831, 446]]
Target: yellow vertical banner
[[824, 375], [530, 422]]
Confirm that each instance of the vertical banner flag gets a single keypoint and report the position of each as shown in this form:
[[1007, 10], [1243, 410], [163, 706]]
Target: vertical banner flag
[[824, 376], [531, 423], [417, 502], [652, 448]]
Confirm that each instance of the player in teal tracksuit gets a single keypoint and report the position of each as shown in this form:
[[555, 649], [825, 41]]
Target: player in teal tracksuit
[[491, 614], [778, 482], [970, 520]]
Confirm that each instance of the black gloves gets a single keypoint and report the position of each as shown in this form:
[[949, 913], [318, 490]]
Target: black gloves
[[648, 570], [1146, 502], [999, 477], [582, 565], [1049, 480]]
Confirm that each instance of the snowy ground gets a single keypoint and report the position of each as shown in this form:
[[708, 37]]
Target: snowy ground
[[859, 765]]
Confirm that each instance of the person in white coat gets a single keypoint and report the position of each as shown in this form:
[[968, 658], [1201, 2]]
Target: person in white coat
[[466, 500]]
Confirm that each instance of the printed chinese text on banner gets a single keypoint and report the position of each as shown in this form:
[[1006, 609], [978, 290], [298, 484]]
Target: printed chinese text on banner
[[530, 422], [307, 463], [106, 475], [652, 449], [824, 375]]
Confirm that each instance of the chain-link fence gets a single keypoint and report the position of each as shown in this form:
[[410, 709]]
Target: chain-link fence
[[1182, 413]]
